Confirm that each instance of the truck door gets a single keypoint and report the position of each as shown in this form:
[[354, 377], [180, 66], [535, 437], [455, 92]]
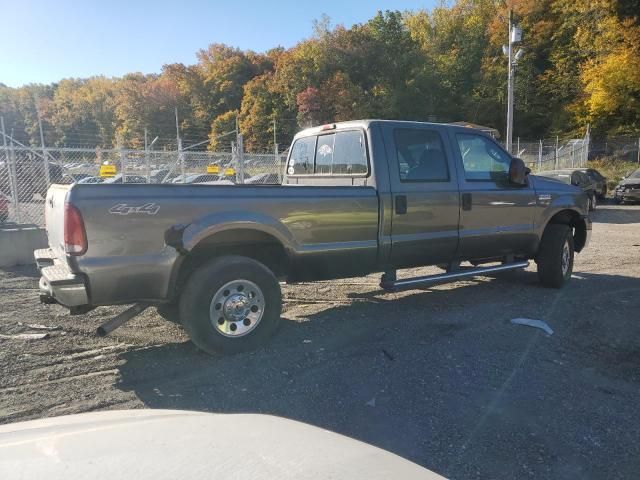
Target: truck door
[[496, 217], [425, 196]]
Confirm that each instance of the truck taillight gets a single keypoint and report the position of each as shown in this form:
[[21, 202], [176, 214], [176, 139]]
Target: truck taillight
[[75, 238]]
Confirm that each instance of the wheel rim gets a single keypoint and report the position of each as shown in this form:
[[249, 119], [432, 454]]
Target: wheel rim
[[237, 308], [566, 258], [593, 203]]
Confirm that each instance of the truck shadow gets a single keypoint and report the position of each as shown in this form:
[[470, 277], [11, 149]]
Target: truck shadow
[[412, 374]]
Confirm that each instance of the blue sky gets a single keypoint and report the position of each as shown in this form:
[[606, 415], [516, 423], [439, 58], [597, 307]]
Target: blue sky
[[44, 41]]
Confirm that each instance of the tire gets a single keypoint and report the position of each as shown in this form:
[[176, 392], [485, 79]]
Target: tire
[[603, 195], [555, 264], [170, 312], [232, 288]]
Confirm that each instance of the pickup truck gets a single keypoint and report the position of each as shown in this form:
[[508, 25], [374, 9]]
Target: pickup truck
[[357, 197]]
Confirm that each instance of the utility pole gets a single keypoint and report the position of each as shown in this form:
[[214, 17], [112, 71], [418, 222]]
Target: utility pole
[[275, 143], [13, 181], [45, 159], [509, 128]]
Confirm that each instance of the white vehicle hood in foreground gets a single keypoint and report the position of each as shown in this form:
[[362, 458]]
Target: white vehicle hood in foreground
[[172, 444]]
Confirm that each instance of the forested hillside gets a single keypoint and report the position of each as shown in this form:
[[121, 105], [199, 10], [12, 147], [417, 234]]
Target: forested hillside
[[581, 65]]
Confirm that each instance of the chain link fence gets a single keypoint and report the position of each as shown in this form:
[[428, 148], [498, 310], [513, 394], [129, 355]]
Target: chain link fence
[[26, 173], [553, 154]]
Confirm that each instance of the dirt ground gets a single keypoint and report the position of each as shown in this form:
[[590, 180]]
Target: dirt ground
[[438, 376]]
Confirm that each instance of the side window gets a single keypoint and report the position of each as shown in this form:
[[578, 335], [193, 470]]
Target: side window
[[301, 159], [421, 156], [350, 154], [324, 153], [483, 160]]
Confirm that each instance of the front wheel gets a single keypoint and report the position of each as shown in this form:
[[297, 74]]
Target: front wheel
[[555, 256], [231, 304]]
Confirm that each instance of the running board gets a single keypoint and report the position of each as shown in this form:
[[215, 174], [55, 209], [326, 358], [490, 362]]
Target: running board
[[418, 282]]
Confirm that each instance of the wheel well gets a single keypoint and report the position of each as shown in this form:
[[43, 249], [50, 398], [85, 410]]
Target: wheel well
[[576, 222], [255, 244]]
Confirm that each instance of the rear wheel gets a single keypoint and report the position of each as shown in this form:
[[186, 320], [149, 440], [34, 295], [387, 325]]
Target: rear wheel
[[555, 256], [230, 305]]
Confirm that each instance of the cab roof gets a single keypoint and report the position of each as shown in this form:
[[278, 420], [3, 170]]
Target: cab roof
[[366, 123]]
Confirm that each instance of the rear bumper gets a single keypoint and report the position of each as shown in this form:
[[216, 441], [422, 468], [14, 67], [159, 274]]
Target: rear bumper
[[58, 283]]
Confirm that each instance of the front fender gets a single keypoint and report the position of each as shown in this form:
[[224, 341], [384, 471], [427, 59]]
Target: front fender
[[208, 225]]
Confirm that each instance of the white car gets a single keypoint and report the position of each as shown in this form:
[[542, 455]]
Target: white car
[[157, 444]]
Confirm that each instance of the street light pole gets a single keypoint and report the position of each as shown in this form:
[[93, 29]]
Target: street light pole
[[509, 129]]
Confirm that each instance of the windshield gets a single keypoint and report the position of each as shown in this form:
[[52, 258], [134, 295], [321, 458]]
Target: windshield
[[356, 216]]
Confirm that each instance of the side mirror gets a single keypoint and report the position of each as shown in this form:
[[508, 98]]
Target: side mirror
[[518, 172]]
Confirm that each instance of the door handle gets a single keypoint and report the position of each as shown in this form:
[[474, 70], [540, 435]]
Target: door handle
[[466, 201], [401, 204]]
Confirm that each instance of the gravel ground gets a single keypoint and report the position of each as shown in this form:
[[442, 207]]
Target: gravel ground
[[438, 376]]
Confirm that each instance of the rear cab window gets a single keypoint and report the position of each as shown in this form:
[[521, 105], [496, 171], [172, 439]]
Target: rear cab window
[[341, 153]]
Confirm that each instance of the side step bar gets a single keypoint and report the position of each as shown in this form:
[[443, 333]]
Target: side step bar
[[418, 282]]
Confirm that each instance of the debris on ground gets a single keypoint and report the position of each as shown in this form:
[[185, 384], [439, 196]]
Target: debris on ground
[[25, 336], [533, 323], [37, 326]]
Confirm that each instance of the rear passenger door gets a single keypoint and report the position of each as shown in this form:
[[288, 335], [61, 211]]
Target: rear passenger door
[[496, 217], [425, 196]]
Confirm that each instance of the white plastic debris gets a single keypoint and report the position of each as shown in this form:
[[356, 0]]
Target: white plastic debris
[[533, 323], [37, 326], [371, 403], [25, 336]]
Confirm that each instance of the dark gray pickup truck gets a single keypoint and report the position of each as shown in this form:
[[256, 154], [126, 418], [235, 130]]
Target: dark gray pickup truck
[[357, 197]]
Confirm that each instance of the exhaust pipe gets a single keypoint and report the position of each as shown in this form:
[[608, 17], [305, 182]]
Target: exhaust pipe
[[119, 320]]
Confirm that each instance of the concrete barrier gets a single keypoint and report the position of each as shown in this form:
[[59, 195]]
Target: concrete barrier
[[17, 243]]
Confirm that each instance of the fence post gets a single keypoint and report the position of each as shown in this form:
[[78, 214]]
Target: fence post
[[13, 180], [555, 167], [146, 156], [122, 160], [276, 159], [181, 160], [540, 156], [240, 159], [586, 143], [638, 149], [45, 158], [573, 149]]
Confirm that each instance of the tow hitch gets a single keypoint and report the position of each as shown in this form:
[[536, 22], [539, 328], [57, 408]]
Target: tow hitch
[[119, 320]]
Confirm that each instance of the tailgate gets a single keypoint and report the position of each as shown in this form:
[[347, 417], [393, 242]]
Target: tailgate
[[54, 217]]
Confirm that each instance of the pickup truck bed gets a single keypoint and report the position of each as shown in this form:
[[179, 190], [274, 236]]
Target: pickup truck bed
[[358, 197]]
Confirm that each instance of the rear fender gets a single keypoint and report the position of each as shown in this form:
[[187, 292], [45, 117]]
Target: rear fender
[[185, 238]]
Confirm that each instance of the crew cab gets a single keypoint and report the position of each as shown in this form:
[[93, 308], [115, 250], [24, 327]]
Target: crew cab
[[357, 197]]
